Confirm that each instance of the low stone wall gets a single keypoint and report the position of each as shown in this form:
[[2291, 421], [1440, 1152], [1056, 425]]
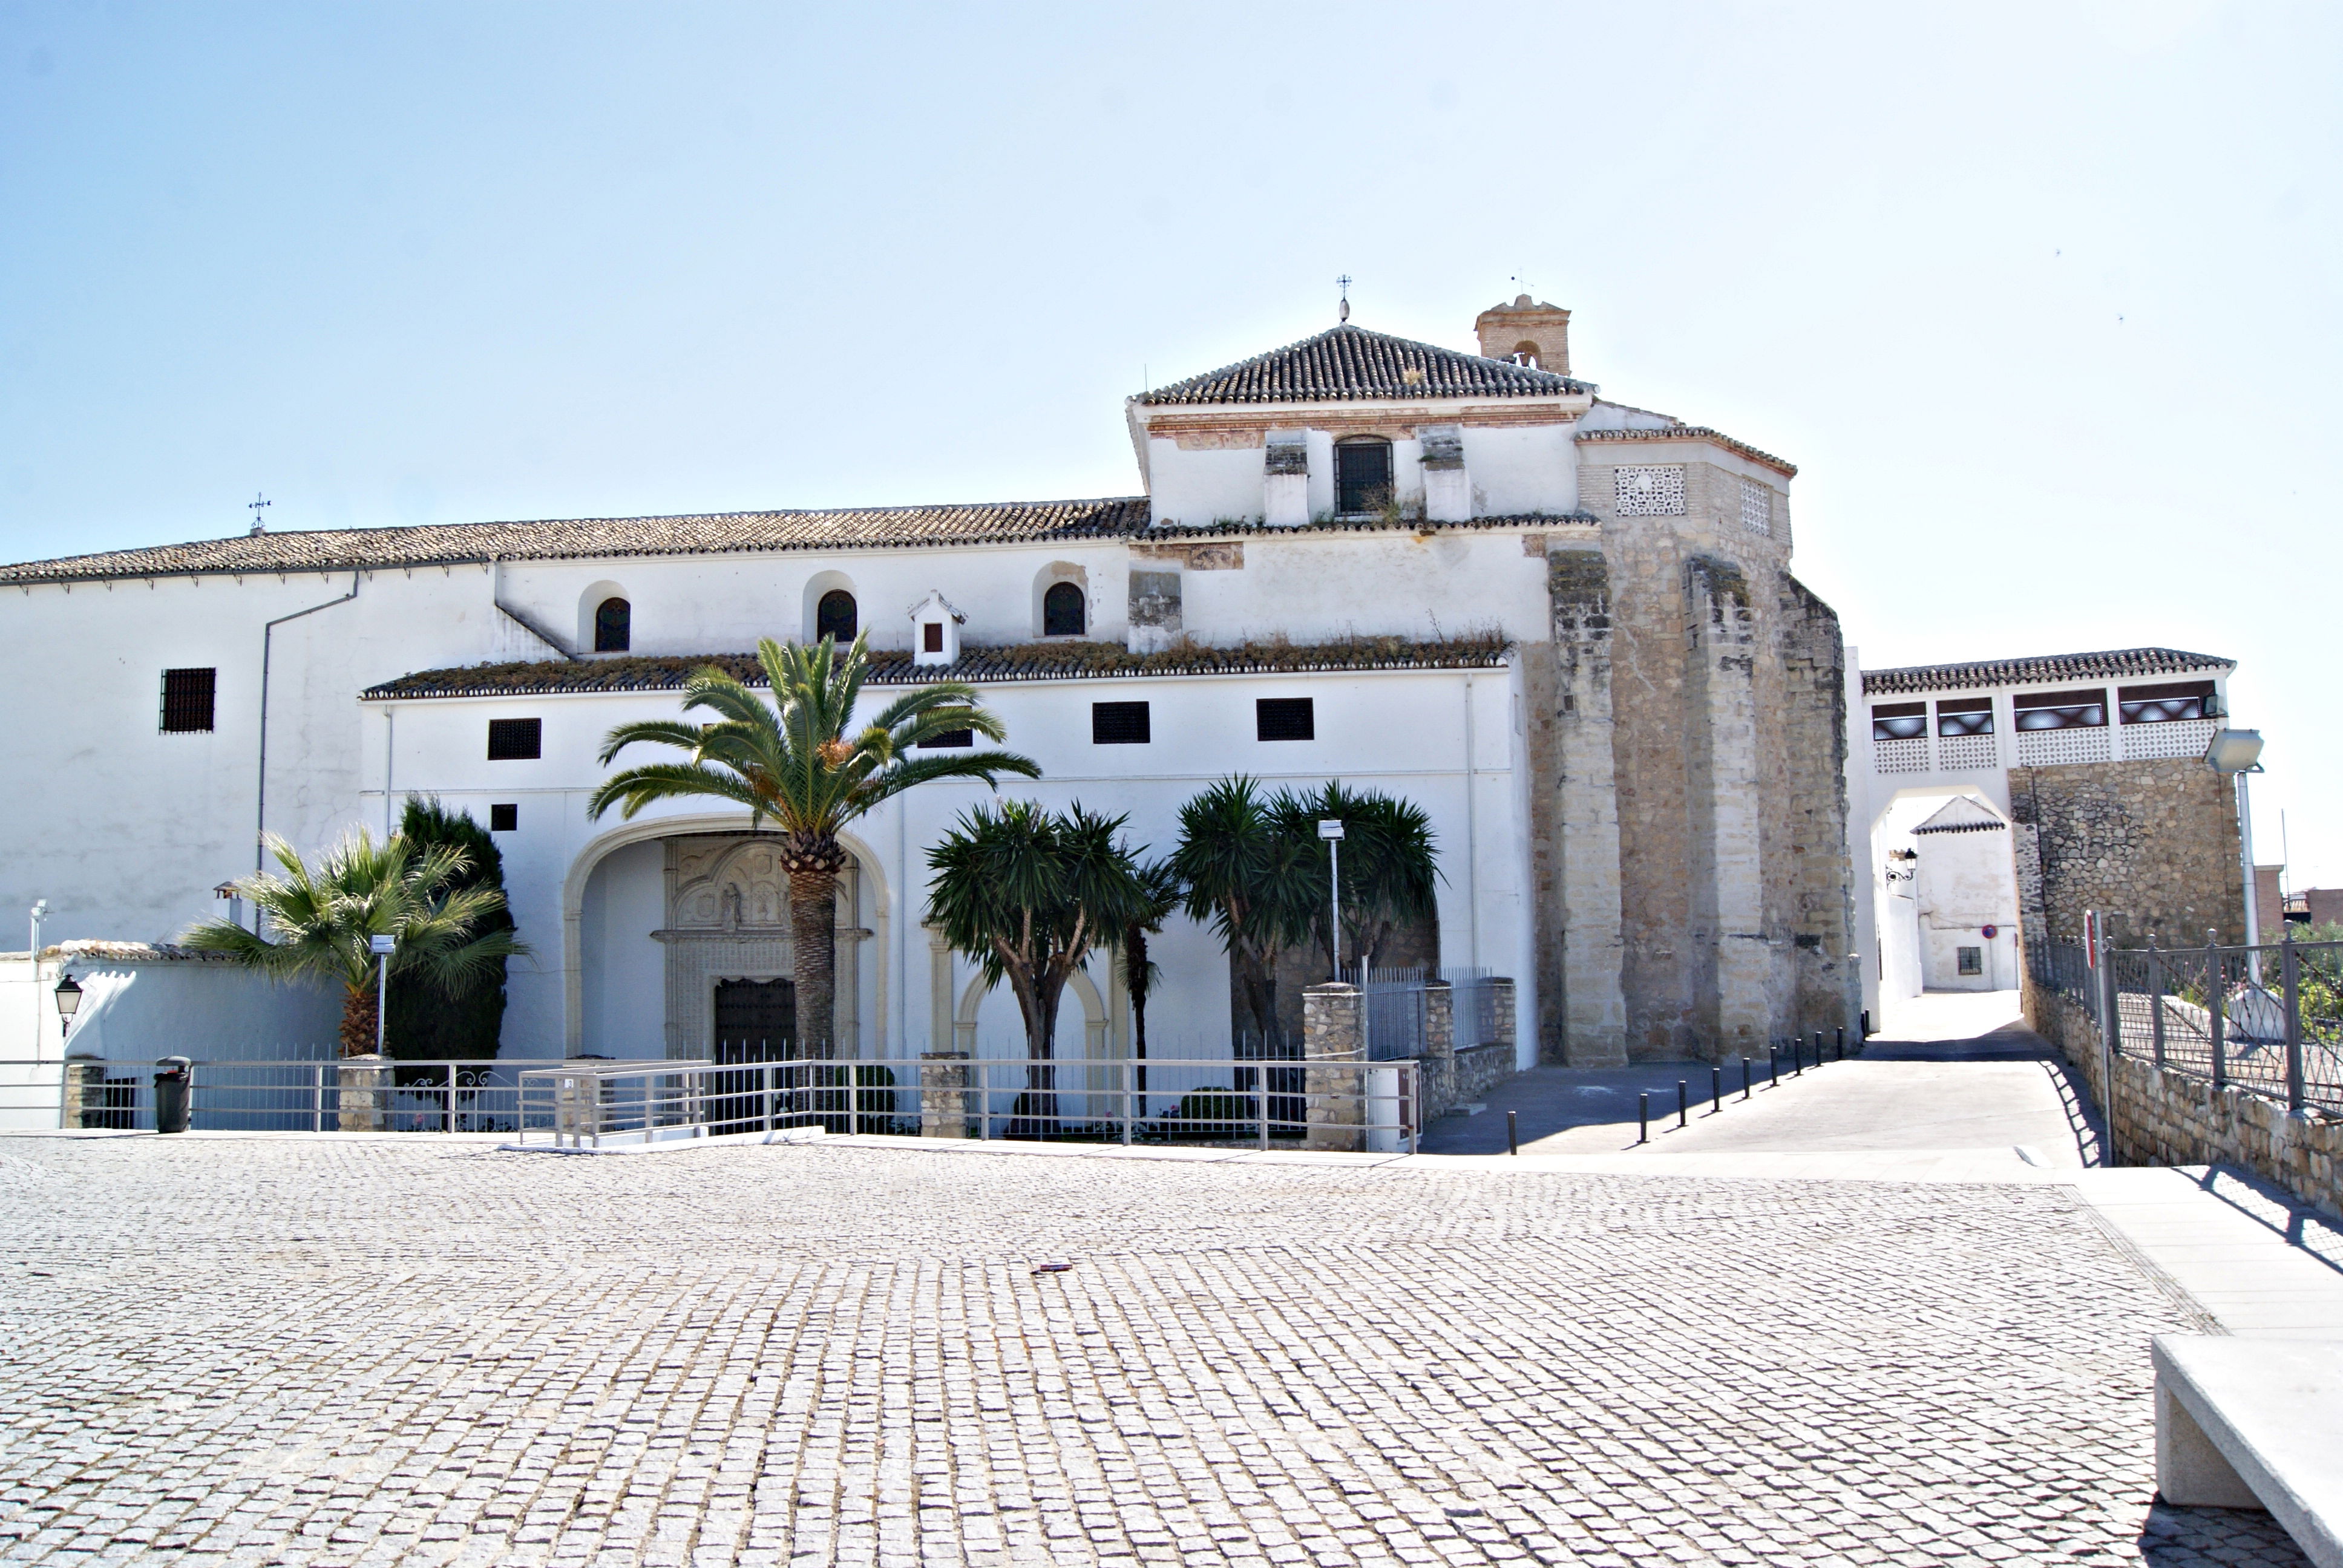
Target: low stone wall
[[1480, 1068], [2161, 1118]]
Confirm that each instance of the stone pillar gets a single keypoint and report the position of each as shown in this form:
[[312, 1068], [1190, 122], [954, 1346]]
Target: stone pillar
[[1593, 1004], [1439, 1089], [1503, 1001], [84, 1087], [1728, 894], [365, 1094], [1331, 1033], [943, 1094]]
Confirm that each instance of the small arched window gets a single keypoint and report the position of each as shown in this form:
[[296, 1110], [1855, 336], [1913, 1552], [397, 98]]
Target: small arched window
[[614, 626], [1063, 612], [1363, 475], [1526, 354], [834, 615]]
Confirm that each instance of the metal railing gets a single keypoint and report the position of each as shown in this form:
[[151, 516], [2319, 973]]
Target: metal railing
[[2265, 1019], [1397, 1015], [1368, 1106], [312, 1096]]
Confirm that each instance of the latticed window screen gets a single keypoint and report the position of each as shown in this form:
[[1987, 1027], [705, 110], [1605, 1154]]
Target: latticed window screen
[[949, 738], [1119, 724], [614, 626], [1649, 492], [1285, 718], [836, 616], [187, 701], [505, 818], [516, 739], [1062, 611], [1363, 476], [1756, 508]]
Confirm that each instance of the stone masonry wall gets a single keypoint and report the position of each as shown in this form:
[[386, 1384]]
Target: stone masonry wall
[[2158, 1117], [2153, 843], [1717, 682]]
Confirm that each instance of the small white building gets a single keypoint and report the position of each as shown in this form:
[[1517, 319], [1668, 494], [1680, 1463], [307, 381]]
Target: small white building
[[1929, 765]]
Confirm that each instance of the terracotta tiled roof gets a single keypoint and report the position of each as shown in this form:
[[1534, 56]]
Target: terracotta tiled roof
[[1351, 362], [2117, 664], [982, 666], [720, 533], [1695, 432]]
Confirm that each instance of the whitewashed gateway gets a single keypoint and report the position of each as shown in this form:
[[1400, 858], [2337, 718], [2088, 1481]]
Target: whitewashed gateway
[[1563, 625]]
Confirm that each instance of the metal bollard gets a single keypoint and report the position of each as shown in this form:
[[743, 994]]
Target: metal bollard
[[1818, 1048], [1715, 1090], [1864, 1023], [1644, 1117], [1512, 1133], [1840, 1054], [1797, 1056], [1744, 1077], [1683, 1104]]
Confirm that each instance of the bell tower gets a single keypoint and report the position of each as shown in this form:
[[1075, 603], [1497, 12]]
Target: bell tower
[[1526, 332]]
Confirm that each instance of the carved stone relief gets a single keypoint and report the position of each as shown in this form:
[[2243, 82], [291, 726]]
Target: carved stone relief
[[727, 918]]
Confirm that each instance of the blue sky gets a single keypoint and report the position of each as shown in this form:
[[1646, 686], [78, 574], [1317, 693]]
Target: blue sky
[[2041, 298]]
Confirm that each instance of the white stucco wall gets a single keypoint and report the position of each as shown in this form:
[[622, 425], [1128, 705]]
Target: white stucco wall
[[1199, 488], [1521, 469], [1314, 587]]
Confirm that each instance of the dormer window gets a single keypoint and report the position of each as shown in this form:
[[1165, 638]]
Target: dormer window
[[935, 630], [1363, 475], [614, 626], [1063, 613], [835, 616]]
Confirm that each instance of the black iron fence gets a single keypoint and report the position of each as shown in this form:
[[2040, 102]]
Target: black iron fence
[[2267, 1020]]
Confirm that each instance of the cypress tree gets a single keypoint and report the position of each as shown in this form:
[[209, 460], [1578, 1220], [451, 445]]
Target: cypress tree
[[426, 1023]]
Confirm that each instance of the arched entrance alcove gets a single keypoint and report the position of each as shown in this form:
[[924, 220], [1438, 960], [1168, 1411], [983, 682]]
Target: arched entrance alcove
[[657, 913], [1945, 894]]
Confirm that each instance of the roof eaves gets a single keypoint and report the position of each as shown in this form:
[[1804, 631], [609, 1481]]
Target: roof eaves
[[1696, 433]]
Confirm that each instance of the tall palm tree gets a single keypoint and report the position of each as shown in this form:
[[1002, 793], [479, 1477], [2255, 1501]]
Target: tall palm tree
[[793, 759], [323, 918]]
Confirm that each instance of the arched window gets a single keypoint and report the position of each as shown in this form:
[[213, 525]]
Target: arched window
[[1526, 354], [834, 615], [614, 626], [1363, 475], [1062, 611]]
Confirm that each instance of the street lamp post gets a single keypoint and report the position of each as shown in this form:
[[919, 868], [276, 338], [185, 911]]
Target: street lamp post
[[382, 948], [68, 994], [40, 907], [1332, 832], [2236, 753]]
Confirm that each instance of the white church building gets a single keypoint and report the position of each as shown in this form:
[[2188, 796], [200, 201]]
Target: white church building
[[1359, 556]]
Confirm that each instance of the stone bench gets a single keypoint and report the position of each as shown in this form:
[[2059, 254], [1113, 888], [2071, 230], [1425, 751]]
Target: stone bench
[[2255, 1423]]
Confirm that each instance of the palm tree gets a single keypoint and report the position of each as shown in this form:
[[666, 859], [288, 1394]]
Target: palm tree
[[1390, 868], [1252, 880], [324, 918], [793, 759], [1029, 895]]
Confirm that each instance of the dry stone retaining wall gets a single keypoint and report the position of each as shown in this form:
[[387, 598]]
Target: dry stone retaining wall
[[2158, 1117]]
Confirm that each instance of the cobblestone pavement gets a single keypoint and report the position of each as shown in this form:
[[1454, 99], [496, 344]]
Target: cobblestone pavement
[[376, 1350]]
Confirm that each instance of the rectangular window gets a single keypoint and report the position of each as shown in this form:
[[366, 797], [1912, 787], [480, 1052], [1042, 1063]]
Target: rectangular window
[[1284, 719], [1965, 716], [1756, 508], [1119, 724], [1649, 492], [187, 701], [516, 739], [2164, 704], [1363, 476], [1899, 720], [1972, 960], [503, 818], [932, 638], [947, 739], [2061, 709]]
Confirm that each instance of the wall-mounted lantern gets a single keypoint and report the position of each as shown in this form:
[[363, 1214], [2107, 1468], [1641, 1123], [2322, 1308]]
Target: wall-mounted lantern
[[68, 994]]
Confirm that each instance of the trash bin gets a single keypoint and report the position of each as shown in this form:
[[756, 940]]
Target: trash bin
[[174, 1078]]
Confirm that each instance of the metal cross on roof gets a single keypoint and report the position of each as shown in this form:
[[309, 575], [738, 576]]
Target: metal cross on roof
[[254, 506], [1345, 281]]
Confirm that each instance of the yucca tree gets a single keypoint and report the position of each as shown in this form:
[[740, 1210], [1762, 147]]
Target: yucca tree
[[790, 758], [1255, 882], [319, 919], [1389, 862]]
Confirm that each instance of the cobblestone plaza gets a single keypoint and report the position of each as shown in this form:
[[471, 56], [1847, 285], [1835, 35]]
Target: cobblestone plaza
[[368, 1350]]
